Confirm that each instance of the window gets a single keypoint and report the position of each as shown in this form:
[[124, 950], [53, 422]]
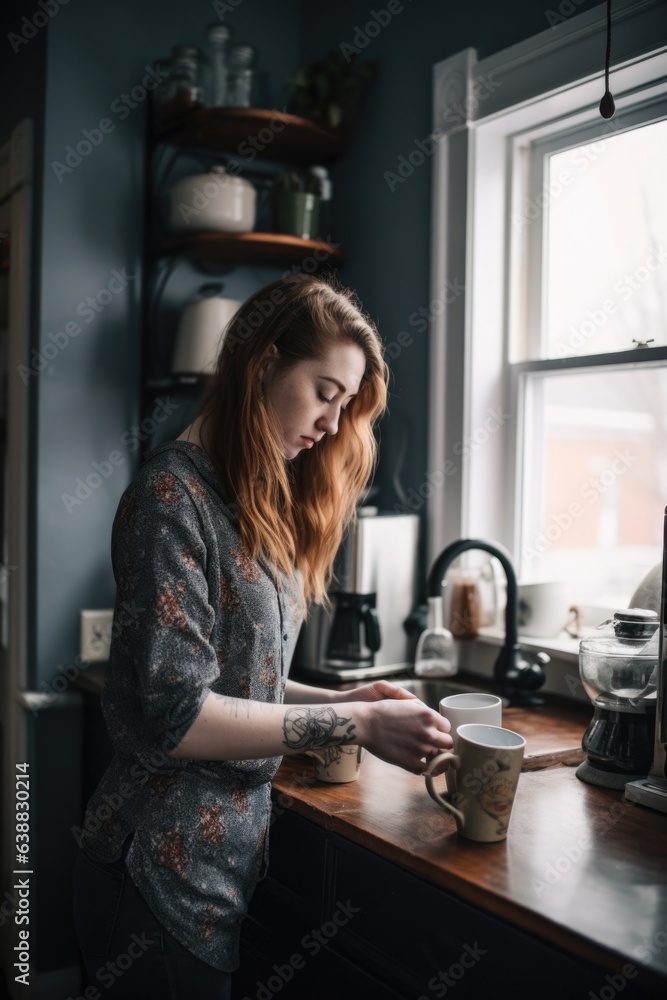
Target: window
[[558, 219]]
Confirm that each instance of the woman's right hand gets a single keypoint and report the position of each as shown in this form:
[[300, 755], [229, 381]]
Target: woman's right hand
[[404, 732]]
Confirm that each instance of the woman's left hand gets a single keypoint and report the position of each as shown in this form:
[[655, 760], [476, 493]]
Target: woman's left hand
[[375, 692]]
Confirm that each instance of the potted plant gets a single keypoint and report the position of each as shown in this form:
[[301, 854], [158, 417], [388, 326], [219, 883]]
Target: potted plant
[[329, 91], [296, 205]]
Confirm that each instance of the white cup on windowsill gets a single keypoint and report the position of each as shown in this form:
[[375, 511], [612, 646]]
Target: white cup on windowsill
[[543, 608]]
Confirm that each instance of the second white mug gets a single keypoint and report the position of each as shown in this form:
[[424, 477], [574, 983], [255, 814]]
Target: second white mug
[[476, 707]]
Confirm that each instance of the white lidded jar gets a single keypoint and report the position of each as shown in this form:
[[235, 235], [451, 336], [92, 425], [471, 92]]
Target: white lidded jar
[[437, 653], [215, 201]]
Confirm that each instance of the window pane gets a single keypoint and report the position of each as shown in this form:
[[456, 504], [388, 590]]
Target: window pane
[[595, 480], [605, 245]]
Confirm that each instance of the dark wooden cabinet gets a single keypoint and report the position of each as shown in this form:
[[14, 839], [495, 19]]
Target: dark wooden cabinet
[[332, 919]]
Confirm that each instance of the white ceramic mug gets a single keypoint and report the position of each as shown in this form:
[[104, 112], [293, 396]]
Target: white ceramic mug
[[543, 608], [462, 709], [476, 707], [485, 773], [337, 764]]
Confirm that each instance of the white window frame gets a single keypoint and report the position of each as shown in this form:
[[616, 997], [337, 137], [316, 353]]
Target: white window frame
[[480, 107]]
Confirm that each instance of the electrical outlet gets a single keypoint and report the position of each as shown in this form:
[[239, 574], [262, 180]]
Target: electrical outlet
[[95, 636]]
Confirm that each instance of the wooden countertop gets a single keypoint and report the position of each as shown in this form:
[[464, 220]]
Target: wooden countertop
[[581, 868]]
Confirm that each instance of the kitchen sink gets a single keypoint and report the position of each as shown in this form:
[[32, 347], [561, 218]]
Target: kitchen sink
[[430, 691]]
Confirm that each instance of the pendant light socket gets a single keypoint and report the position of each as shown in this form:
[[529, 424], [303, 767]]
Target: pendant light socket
[[607, 106]]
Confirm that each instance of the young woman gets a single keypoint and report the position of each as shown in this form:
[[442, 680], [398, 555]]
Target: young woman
[[218, 546]]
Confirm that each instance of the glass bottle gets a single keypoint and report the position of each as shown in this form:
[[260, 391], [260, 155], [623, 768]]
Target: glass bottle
[[437, 653], [242, 82], [218, 39], [325, 190]]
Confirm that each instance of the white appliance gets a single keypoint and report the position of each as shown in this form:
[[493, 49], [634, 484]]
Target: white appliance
[[378, 561], [201, 329]]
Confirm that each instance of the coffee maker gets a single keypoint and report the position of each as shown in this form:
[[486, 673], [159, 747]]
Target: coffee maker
[[375, 590], [618, 670], [652, 790]]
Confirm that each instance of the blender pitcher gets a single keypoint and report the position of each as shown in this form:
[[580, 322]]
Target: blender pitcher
[[619, 673]]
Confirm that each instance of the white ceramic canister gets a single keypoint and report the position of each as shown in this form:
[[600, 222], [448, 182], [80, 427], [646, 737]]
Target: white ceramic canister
[[215, 201]]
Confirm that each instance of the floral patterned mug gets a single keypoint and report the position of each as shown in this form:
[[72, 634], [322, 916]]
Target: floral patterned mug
[[486, 769]]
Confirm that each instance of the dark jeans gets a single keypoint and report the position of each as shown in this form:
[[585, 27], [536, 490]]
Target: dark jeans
[[127, 952]]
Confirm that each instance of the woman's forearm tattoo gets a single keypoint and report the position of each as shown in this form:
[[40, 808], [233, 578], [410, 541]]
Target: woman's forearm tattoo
[[308, 728]]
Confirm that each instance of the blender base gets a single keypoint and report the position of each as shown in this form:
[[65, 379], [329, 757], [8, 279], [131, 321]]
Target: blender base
[[648, 791], [605, 779]]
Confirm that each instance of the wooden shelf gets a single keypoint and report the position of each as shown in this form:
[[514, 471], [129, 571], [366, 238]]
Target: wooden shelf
[[254, 132], [175, 382], [251, 248]]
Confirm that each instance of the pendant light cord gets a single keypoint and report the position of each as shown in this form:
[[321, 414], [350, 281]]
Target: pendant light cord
[[608, 53], [607, 106]]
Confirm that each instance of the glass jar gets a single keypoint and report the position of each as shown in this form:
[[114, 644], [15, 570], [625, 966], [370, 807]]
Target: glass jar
[[242, 78], [217, 70], [183, 90]]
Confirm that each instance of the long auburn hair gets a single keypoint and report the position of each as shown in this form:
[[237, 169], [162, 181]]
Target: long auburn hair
[[293, 513]]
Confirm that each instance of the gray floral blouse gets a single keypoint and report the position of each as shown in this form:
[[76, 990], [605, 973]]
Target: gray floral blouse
[[194, 613]]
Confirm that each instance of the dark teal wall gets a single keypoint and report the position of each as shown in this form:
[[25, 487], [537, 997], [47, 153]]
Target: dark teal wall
[[387, 233], [88, 394]]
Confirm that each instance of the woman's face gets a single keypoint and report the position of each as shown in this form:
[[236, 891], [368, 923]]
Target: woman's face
[[308, 398]]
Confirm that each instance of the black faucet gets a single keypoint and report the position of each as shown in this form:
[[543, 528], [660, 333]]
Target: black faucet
[[516, 676]]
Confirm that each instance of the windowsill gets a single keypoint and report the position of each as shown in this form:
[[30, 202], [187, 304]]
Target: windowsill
[[477, 657], [562, 646]]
